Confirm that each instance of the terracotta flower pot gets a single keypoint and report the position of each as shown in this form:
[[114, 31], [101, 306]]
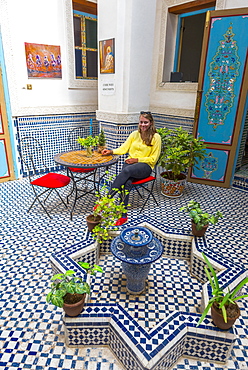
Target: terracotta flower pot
[[75, 309], [93, 221], [200, 232], [233, 312], [171, 188]]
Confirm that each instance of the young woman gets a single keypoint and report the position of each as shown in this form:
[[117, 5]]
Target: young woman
[[143, 147]]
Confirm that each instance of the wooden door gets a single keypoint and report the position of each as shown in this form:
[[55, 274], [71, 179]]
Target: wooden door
[[222, 90], [6, 161]]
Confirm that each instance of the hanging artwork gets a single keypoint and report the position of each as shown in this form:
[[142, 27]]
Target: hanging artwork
[[43, 61], [107, 56]]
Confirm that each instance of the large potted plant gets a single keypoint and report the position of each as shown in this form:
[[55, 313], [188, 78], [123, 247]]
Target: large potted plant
[[89, 142], [68, 290], [200, 220], [180, 150], [224, 309]]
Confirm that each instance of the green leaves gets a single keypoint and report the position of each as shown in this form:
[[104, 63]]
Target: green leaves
[[219, 296], [70, 283], [180, 150], [88, 141], [199, 217]]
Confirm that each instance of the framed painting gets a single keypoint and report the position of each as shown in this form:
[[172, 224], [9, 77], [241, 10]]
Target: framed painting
[[107, 56], [43, 61]]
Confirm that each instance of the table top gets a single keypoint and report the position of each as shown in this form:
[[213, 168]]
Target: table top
[[79, 159]]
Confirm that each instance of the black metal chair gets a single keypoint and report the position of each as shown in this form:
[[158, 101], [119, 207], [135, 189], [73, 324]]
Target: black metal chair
[[143, 184], [32, 156], [79, 174]]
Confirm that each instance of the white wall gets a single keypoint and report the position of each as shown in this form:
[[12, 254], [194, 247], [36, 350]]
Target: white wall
[[42, 23], [131, 24], [174, 98]]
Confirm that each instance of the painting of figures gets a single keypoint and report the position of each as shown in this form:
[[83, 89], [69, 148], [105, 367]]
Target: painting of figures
[[107, 56], [43, 61]]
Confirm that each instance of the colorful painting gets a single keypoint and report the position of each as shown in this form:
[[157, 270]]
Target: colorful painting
[[107, 56], [223, 71], [213, 166], [43, 61]]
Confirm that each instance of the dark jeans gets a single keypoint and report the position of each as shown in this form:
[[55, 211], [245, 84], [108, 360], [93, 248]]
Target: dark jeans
[[128, 173]]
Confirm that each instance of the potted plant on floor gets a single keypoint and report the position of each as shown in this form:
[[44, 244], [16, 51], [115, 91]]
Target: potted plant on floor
[[88, 143], [106, 212], [180, 150], [224, 309], [200, 220], [69, 293]]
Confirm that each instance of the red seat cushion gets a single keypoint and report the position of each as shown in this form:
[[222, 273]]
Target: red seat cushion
[[143, 181], [82, 170], [52, 180]]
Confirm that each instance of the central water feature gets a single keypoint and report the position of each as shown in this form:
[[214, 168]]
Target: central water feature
[[137, 249]]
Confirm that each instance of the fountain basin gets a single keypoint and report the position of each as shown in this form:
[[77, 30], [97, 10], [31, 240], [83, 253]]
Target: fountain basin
[[137, 249]]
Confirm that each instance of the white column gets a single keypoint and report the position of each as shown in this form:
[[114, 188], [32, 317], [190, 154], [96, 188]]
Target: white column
[[131, 23]]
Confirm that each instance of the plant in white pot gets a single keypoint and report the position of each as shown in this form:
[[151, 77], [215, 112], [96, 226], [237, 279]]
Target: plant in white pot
[[224, 309], [68, 290], [200, 220], [180, 150]]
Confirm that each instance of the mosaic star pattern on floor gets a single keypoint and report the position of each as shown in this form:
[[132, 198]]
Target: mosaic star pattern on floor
[[32, 334]]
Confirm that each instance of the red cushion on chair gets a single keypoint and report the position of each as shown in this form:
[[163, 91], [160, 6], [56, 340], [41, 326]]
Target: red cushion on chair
[[84, 170], [143, 181], [52, 180]]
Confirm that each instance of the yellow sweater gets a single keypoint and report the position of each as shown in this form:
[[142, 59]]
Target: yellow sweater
[[136, 148]]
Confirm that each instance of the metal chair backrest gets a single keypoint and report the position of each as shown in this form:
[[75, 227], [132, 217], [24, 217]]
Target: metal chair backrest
[[76, 132], [32, 156]]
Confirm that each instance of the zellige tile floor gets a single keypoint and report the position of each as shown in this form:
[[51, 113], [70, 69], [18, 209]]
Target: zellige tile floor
[[31, 334]]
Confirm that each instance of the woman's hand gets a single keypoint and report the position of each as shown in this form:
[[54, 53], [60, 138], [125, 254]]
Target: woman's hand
[[131, 160], [106, 152]]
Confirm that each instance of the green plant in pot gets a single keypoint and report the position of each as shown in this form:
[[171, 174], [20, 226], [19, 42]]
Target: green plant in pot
[[89, 142], [106, 212], [180, 150], [68, 290], [200, 220], [101, 142], [224, 309]]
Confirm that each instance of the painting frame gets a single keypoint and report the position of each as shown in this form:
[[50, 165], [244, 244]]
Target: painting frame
[[43, 61], [107, 56]]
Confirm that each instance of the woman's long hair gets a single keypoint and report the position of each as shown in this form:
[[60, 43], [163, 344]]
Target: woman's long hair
[[147, 135]]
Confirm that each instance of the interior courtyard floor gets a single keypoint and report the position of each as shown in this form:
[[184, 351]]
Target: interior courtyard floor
[[32, 334]]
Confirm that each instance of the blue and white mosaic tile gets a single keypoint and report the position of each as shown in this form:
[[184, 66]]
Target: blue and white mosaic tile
[[32, 335]]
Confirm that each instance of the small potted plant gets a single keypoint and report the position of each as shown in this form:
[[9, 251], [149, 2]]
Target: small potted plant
[[69, 293], [180, 150], [199, 219], [88, 143], [101, 142], [224, 309], [106, 212]]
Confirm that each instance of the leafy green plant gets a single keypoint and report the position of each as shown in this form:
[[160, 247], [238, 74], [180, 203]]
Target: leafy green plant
[[102, 139], [109, 208], [199, 217], [180, 150], [219, 297], [89, 141], [70, 285]]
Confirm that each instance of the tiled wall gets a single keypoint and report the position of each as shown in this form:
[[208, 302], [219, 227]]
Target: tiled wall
[[53, 132]]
